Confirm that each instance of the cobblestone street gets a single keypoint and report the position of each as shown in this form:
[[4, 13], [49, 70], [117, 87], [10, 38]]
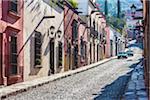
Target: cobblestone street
[[104, 82], [74, 50]]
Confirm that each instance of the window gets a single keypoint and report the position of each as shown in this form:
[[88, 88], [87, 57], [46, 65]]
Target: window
[[94, 24], [74, 31], [37, 48], [69, 53], [13, 55], [85, 51], [97, 27], [104, 49], [52, 55], [94, 51], [75, 56], [13, 6], [82, 47], [60, 54], [90, 53]]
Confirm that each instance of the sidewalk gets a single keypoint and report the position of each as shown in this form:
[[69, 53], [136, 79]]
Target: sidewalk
[[136, 89], [24, 86]]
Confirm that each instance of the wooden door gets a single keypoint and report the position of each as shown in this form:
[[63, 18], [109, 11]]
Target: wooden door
[[1, 81]]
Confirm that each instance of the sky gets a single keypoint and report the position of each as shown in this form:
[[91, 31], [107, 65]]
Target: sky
[[112, 6], [125, 5], [83, 6]]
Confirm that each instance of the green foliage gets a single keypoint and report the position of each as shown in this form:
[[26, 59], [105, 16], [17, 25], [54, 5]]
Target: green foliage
[[53, 3], [117, 23], [74, 3]]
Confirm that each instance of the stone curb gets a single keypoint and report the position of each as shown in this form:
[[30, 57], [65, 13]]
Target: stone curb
[[25, 86], [136, 87]]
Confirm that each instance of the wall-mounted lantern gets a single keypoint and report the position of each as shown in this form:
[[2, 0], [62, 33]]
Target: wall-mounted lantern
[[59, 34], [52, 31], [133, 10]]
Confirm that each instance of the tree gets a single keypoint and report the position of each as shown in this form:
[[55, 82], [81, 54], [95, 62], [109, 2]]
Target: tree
[[119, 8], [106, 8], [118, 23], [74, 3]]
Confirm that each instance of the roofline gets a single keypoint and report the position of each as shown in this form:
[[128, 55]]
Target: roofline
[[70, 6]]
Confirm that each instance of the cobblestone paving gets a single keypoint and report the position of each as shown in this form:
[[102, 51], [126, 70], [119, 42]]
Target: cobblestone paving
[[86, 85], [136, 89]]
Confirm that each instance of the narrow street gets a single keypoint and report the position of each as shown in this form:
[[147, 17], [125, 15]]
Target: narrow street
[[74, 50], [104, 82]]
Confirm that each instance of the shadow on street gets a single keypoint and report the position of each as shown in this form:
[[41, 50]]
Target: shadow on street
[[116, 89]]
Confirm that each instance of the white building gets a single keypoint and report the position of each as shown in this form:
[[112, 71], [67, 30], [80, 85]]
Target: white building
[[43, 39]]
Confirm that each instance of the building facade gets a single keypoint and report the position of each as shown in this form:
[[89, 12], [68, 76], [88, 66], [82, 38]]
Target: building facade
[[146, 14], [112, 42], [83, 42], [98, 33], [11, 41], [70, 37], [39, 38], [43, 39], [107, 49]]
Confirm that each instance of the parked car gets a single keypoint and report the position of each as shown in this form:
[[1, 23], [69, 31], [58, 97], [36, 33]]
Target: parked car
[[122, 55], [130, 53]]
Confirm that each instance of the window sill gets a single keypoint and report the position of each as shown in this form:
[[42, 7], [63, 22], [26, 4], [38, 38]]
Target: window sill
[[38, 66], [14, 76], [13, 14]]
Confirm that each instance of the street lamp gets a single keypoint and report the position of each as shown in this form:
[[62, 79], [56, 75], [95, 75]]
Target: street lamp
[[133, 10], [51, 31], [59, 35]]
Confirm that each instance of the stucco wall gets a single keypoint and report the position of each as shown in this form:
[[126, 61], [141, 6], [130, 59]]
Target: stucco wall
[[70, 16], [11, 24], [112, 38], [33, 14], [82, 30]]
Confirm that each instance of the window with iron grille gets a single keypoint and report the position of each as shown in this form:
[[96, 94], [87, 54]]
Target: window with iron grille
[[60, 53], [85, 51], [94, 24], [82, 47], [74, 30], [13, 55], [13, 6], [37, 48]]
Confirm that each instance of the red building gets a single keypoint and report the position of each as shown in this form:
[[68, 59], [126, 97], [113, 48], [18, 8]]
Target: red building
[[71, 37], [82, 42], [11, 41]]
